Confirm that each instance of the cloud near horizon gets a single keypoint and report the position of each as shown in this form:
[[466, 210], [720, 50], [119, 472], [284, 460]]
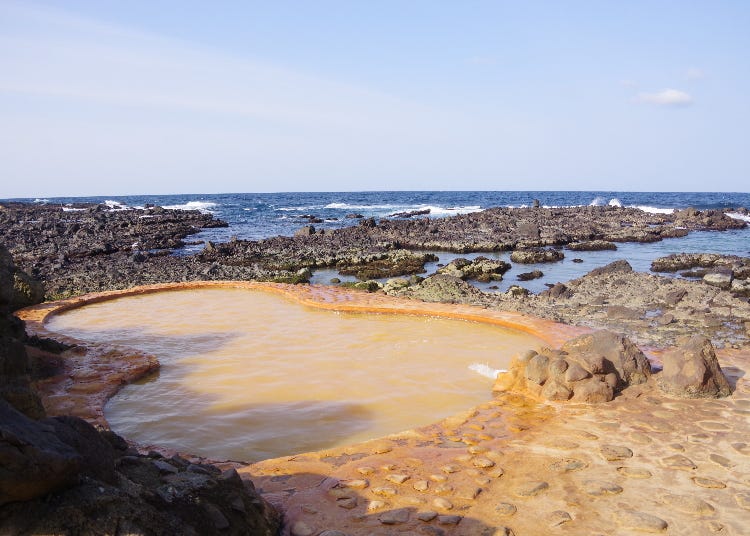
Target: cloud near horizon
[[666, 97]]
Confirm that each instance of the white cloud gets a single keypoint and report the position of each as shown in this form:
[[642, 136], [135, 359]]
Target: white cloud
[[666, 97]]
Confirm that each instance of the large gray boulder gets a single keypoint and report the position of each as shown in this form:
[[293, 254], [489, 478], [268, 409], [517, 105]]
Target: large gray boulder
[[691, 370]]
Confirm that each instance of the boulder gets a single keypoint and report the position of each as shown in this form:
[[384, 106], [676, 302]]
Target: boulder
[[591, 368], [719, 277], [619, 355], [307, 230], [621, 266], [691, 370], [528, 276]]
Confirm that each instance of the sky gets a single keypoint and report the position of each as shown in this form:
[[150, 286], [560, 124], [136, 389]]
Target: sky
[[104, 97]]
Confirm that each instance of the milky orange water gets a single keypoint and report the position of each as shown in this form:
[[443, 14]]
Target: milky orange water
[[249, 375]]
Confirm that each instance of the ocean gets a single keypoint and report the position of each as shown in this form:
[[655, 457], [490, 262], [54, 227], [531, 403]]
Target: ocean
[[254, 216]]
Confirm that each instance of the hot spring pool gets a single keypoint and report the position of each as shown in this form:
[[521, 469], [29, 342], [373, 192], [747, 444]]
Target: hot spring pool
[[250, 375]]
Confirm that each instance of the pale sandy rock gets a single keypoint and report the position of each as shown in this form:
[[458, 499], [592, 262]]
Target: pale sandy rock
[[692, 371]]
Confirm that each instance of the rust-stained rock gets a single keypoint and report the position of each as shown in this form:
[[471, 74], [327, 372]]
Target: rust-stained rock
[[589, 368]]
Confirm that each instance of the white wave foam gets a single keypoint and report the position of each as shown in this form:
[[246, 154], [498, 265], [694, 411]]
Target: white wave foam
[[72, 209], [614, 202], [41, 200], [347, 206], [293, 209], [597, 202], [451, 210], [485, 370], [434, 209], [738, 216], [203, 206], [115, 205], [653, 210]]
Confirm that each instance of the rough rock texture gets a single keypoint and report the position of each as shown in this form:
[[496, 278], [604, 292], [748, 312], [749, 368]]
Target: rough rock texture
[[607, 352], [33, 460], [382, 265], [441, 288], [588, 368], [60, 475], [481, 269], [728, 272], [536, 255], [14, 365], [692, 371], [592, 245]]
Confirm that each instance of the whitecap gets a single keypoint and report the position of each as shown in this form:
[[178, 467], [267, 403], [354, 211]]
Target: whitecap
[[738, 216], [203, 206], [653, 210], [614, 202], [115, 205], [72, 209], [597, 202], [41, 200], [347, 206]]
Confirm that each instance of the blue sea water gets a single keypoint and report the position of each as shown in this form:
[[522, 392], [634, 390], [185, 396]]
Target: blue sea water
[[256, 216]]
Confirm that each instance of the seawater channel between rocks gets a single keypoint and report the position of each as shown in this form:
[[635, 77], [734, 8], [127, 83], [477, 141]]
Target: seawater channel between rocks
[[249, 375]]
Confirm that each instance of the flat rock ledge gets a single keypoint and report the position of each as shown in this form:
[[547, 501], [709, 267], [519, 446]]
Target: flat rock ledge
[[644, 462]]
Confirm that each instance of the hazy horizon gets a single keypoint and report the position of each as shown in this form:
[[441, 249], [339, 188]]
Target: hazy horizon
[[102, 98]]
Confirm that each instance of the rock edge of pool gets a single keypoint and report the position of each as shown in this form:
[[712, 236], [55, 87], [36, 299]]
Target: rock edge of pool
[[524, 462]]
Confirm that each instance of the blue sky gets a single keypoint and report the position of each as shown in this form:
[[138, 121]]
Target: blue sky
[[112, 98]]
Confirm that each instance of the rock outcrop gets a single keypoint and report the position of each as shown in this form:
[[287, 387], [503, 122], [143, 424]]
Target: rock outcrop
[[691, 370], [536, 255], [480, 269], [589, 368], [60, 475]]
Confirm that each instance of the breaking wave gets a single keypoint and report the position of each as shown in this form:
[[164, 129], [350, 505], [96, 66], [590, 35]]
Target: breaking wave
[[203, 206]]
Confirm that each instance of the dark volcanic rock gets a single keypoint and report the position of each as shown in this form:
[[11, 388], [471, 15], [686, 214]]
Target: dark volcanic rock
[[528, 276], [692, 371], [622, 266], [33, 461]]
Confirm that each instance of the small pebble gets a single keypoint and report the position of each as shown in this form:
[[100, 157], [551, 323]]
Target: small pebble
[[442, 503]]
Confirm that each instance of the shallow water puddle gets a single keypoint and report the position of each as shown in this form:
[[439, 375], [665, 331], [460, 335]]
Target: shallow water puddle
[[249, 375]]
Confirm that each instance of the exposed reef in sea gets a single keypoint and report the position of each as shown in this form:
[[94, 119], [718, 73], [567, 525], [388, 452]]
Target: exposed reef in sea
[[96, 248]]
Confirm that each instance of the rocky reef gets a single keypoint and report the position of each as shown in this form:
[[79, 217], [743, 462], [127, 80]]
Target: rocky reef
[[659, 446]]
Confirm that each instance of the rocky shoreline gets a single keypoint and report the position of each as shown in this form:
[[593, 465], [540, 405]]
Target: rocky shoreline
[[92, 249]]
